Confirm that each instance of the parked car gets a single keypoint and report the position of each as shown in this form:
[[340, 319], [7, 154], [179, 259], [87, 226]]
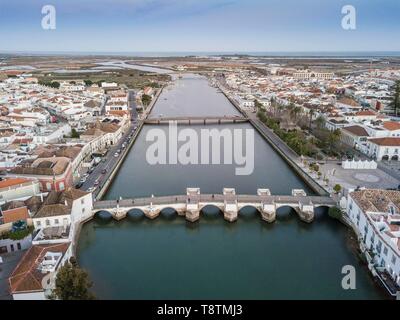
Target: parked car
[[91, 189], [116, 155], [104, 171]]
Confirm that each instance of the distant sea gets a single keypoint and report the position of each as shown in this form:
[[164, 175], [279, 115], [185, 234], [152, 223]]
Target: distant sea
[[293, 54]]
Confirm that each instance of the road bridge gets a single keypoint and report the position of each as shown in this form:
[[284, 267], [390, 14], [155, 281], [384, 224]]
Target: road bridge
[[199, 120]]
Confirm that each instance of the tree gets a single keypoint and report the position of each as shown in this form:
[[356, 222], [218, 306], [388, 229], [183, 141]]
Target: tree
[[72, 283], [395, 103], [146, 99], [257, 104], [311, 113], [294, 112], [88, 83], [333, 138], [337, 188], [335, 213], [74, 134], [320, 122]]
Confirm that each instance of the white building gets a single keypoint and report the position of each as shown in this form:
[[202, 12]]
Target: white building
[[18, 189], [60, 214], [313, 75], [51, 133], [383, 148], [376, 216], [34, 277]]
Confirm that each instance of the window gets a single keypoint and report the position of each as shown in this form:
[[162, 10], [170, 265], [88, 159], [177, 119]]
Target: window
[[19, 246], [393, 259], [385, 251], [38, 223], [83, 201], [48, 186], [47, 222], [83, 210], [61, 186], [379, 247], [56, 221]]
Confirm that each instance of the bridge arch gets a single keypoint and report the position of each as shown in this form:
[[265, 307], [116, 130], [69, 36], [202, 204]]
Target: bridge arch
[[135, 214], [321, 212], [285, 212], [211, 211], [168, 213], [103, 215], [249, 212]]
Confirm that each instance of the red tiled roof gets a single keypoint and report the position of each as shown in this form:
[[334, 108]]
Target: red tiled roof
[[13, 215], [13, 182], [391, 125], [389, 141], [365, 113], [357, 130], [26, 277]]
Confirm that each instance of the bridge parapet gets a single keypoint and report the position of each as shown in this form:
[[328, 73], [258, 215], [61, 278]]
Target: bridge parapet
[[263, 192], [299, 193]]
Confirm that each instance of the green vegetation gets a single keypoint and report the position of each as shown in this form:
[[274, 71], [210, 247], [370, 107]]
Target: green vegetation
[[74, 134], [295, 139], [257, 104], [146, 99], [328, 141], [51, 84], [17, 235], [395, 103], [294, 126], [88, 82], [72, 283], [154, 85], [133, 79], [337, 188], [335, 213]]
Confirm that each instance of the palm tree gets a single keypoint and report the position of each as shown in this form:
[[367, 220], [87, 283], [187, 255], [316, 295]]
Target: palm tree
[[311, 113], [320, 122], [295, 112], [395, 103]]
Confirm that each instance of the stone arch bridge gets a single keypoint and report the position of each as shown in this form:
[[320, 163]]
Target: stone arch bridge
[[191, 204]]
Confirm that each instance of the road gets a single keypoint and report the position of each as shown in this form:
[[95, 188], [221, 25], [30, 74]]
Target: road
[[109, 161]]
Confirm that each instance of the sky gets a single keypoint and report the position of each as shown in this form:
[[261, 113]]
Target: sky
[[199, 26]]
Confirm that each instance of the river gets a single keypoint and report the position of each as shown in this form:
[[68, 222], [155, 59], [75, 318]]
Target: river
[[169, 258]]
